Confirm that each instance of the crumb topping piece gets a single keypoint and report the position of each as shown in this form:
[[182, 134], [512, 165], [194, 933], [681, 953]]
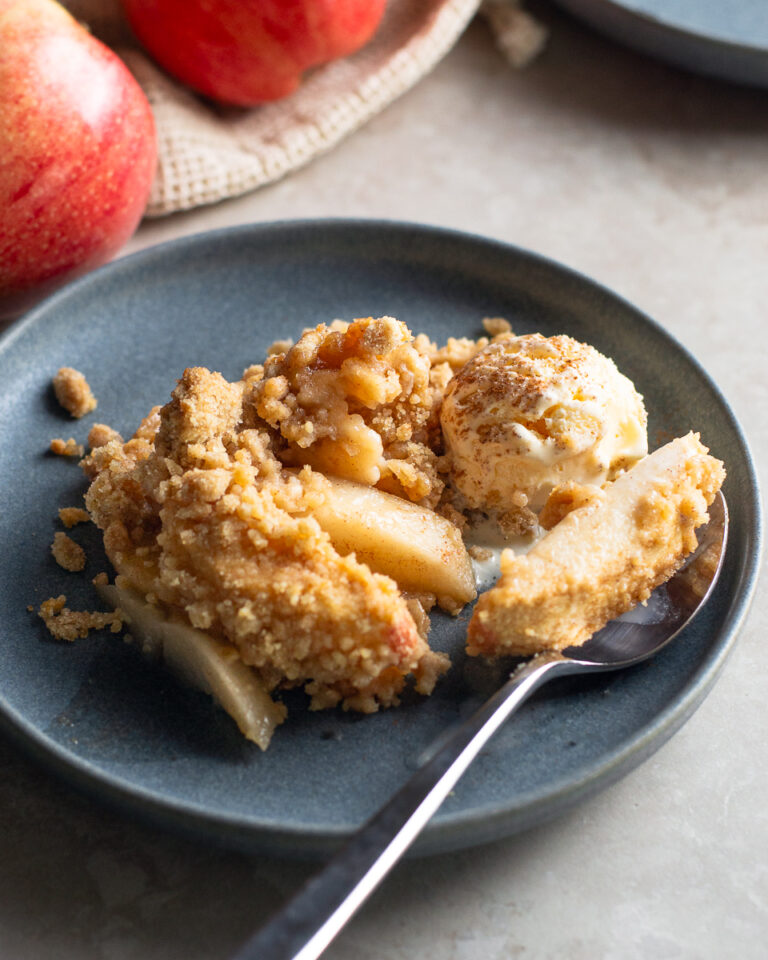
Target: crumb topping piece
[[496, 326], [73, 392], [67, 553], [66, 624], [71, 516], [67, 448]]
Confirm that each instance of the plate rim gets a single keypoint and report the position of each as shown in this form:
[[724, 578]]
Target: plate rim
[[467, 827], [663, 39]]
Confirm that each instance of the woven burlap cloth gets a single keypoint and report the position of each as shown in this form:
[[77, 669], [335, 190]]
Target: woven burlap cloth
[[207, 153]]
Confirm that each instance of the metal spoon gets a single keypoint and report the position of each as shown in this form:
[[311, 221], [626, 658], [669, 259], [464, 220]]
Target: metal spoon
[[309, 922]]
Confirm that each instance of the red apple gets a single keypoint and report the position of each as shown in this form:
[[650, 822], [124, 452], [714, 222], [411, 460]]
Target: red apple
[[77, 151], [245, 52]]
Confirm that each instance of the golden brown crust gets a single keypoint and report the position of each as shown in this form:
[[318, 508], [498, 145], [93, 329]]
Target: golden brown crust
[[564, 498], [237, 558], [496, 326]]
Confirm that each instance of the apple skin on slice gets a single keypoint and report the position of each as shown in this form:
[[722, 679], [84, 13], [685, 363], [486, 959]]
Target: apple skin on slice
[[204, 663], [422, 551]]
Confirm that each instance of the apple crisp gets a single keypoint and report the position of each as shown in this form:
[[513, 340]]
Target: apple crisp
[[201, 516], [354, 400], [295, 527]]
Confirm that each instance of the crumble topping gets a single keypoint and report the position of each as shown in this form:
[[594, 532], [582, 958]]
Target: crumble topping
[[496, 326], [67, 448], [73, 392], [67, 553], [564, 498], [229, 513], [354, 400], [479, 553], [70, 625], [517, 521], [198, 511], [71, 516]]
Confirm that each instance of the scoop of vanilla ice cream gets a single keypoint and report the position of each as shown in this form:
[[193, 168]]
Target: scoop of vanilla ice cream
[[527, 413]]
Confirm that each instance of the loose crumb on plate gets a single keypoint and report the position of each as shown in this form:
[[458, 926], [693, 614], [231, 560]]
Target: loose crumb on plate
[[71, 516], [73, 392], [66, 624], [67, 553], [67, 448]]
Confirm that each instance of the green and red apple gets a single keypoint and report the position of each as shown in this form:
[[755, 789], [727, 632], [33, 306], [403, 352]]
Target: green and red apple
[[245, 52], [77, 151]]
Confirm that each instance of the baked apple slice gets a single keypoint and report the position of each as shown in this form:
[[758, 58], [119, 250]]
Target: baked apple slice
[[422, 551], [602, 559], [199, 660]]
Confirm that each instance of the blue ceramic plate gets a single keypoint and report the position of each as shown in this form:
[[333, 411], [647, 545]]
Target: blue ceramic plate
[[123, 730], [720, 38]]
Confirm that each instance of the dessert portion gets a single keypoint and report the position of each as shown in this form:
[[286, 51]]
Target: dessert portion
[[204, 522], [294, 528], [528, 413], [602, 558]]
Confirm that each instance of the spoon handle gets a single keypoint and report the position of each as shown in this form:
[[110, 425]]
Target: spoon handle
[[305, 926]]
